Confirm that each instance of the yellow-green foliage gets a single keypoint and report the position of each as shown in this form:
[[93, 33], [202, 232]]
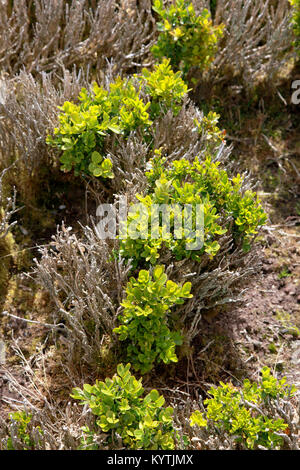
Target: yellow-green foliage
[[142, 423], [198, 184], [241, 412], [124, 108], [144, 321], [185, 38], [83, 127], [166, 88]]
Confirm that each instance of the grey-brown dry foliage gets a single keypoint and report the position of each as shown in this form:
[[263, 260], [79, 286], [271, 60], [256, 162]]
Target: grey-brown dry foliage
[[52, 35], [50, 428], [53, 425], [171, 133], [7, 208], [212, 437], [49, 35], [28, 110], [218, 284], [257, 38], [85, 286]]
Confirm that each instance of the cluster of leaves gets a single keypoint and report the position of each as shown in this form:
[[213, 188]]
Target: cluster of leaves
[[296, 23], [166, 89], [144, 321], [242, 413], [208, 127], [184, 37], [84, 127], [142, 423], [208, 192], [21, 419]]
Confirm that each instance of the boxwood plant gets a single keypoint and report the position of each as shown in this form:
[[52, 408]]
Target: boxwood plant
[[128, 105], [225, 207], [120, 409], [186, 38], [244, 413], [144, 320]]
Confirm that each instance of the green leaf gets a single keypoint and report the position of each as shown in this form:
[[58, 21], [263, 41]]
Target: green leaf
[[186, 289], [158, 272], [96, 158], [198, 419]]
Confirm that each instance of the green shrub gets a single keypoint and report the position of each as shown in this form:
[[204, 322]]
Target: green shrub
[[166, 88], [144, 320], [85, 127], [243, 413], [296, 23], [224, 205], [142, 423], [185, 38], [21, 420]]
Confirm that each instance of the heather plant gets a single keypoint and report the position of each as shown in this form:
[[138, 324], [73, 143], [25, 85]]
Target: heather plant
[[144, 320], [53, 35], [85, 287], [42, 424], [256, 42], [200, 184], [186, 38], [7, 208], [141, 422], [28, 110], [244, 412], [85, 127]]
